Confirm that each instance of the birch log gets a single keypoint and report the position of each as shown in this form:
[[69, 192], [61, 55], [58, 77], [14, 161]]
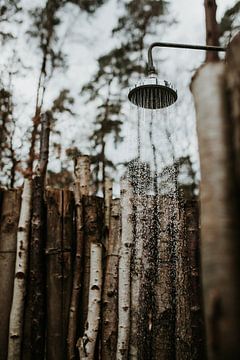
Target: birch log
[[124, 272], [138, 320], [81, 187], [110, 289], [219, 214], [19, 291], [8, 233], [86, 344]]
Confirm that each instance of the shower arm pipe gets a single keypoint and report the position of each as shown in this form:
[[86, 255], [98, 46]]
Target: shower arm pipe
[[151, 67]]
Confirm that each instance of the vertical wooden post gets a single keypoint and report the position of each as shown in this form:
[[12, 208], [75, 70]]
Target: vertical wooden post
[[124, 288], [59, 280], [8, 235], [220, 231], [68, 244], [94, 229], [81, 188], [34, 333], [110, 289], [53, 251], [164, 321], [20, 279]]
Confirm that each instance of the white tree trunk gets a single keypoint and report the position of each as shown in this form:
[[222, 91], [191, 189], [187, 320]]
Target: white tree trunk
[[17, 310], [82, 173], [124, 272], [219, 213], [88, 341]]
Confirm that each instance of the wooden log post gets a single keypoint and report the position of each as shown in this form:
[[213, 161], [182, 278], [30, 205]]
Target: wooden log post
[[94, 227], [110, 289], [233, 88], [137, 260], [35, 313], [164, 320], [59, 244], [124, 288], [10, 208], [53, 255], [220, 231], [81, 188], [19, 289], [192, 228]]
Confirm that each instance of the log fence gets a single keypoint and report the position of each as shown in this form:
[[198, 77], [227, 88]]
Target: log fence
[[100, 311]]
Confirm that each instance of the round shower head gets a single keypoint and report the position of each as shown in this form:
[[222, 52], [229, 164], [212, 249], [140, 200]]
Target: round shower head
[[153, 93]]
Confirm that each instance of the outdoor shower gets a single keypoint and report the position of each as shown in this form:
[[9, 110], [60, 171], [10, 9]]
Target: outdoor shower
[[153, 93]]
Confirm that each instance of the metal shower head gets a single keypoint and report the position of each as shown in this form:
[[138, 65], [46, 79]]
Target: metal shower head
[[153, 93]]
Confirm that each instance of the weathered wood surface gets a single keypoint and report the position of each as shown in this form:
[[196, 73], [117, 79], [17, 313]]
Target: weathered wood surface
[[151, 279], [110, 286], [58, 252], [220, 226], [10, 207]]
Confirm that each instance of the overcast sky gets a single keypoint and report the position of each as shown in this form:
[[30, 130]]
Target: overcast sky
[[88, 38]]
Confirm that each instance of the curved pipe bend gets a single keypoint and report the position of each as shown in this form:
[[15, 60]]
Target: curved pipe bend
[[151, 67]]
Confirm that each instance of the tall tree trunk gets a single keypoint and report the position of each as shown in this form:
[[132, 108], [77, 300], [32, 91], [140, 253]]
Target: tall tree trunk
[[81, 187], [93, 224], [124, 288], [110, 288], [34, 338], [212, 31], [19, 291], [8, 233], [220, 231]]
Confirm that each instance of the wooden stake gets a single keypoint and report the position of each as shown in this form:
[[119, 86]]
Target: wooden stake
[[220, 231], [110, 289], [86, 344], [124, 272], [81, 188], [17, 310], [8, 235]]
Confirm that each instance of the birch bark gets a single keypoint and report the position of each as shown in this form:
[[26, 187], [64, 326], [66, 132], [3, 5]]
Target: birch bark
[[220, 231], [124, 272], [87, 344], [19, 291]]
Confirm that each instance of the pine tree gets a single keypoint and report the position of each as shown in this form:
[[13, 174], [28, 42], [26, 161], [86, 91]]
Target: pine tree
[[114, 70]]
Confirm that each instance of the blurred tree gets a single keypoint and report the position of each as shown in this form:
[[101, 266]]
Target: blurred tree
[[230, 22], [45, 23], [139, 19], [8, 11]]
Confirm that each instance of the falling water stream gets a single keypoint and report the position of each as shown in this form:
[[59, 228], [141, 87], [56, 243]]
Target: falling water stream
[[153, 176]]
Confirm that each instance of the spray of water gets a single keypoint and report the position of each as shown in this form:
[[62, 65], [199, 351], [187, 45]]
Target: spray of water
[[154, 179]]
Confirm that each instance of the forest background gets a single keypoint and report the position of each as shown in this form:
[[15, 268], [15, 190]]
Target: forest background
[[74, 62]]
